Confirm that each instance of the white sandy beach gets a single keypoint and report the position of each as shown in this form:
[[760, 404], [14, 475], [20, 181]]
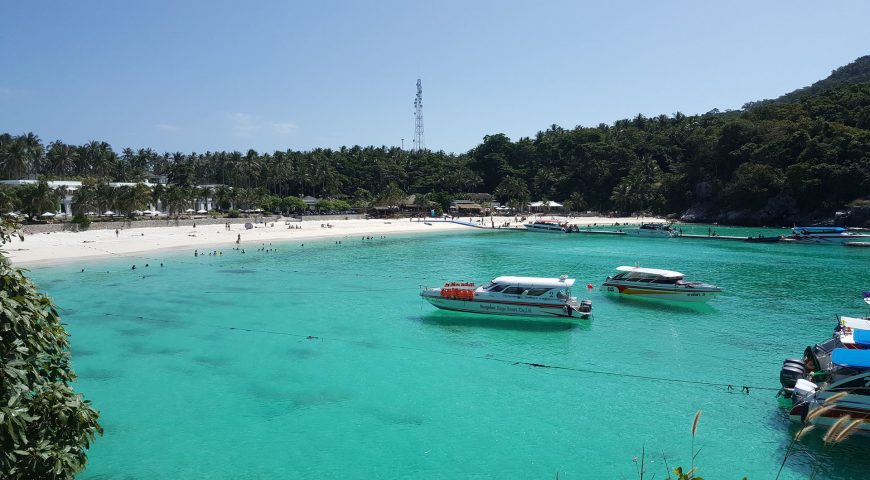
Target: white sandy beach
[[64, 247]]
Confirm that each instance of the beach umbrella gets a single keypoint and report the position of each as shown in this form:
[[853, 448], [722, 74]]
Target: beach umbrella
[[256, 210], [190, 210], [108, 213], [136, 212], [249, 226], [11, 214], [202, 211], [48, 214]]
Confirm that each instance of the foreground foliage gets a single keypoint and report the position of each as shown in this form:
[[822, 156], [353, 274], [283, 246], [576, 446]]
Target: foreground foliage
[[46, 425]]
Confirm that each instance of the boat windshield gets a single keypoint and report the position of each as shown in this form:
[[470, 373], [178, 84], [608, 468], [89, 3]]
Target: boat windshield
[[645, 277], [494, 287]]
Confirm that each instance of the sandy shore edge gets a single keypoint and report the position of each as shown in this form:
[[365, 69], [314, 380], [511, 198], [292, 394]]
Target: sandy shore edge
[[44, 249]]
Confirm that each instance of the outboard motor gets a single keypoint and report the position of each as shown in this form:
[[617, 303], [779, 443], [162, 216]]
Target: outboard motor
[[585, 306], [793, 369]]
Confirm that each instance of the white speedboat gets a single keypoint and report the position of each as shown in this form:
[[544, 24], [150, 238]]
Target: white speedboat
[[652, 230], [660, 284], [827, 235], [517, 296], [550, 226]]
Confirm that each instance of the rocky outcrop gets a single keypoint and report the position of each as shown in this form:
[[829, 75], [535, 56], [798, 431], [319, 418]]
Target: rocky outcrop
[[697, 215], [857, 215]]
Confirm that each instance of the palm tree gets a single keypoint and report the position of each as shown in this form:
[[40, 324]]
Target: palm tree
[[62, 158], [624, 197], [222, 196], [204, 193], [391, 196], [106, 197], [177, 198], [513, 191], [85, 198], [14, 158], [158, 193], [140, 196], [38, 198], [33, 150], [8, 199]]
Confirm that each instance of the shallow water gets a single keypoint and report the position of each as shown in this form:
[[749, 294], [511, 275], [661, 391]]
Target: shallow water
[[322, 361]]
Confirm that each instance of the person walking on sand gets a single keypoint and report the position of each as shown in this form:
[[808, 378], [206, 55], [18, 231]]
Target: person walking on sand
[[239, 239]]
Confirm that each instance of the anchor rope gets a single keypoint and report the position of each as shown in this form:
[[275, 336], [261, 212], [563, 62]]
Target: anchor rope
[[730, 387]]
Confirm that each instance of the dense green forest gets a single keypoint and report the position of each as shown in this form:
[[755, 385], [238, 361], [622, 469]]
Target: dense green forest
[[802, 156]]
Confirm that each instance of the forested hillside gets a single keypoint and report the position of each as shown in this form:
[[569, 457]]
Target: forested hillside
[[798, 158]]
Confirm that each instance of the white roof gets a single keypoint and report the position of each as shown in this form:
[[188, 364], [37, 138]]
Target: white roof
[[651, 271], [535, 281]]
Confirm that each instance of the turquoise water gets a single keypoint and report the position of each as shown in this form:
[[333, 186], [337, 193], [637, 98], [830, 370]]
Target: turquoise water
[[322, 361]]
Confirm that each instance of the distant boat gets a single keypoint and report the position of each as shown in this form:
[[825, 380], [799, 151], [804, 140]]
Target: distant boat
[[828, 235], [763, 239], [550, 226], [652, 230]]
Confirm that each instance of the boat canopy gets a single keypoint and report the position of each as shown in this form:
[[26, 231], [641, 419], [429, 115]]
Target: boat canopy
[[535, 281], [862, 337], [651, 271], [846, 357], [855, 323]]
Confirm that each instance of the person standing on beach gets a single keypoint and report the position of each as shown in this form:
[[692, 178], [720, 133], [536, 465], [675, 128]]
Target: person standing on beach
[[239, 239], [116, 233]]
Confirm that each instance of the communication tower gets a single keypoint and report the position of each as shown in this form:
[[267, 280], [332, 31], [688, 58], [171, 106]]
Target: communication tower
[[419, 144]]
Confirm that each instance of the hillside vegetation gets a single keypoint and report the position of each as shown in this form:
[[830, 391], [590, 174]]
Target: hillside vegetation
[[798, 158]]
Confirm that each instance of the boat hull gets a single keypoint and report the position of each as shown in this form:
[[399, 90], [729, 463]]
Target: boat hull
[[659, 293], [856, 405], [763, 239], [490, 307], [834, 239], [531, 228], [637, 232]]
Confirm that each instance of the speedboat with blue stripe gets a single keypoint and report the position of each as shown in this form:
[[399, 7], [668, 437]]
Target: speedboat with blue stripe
[[828, 235]]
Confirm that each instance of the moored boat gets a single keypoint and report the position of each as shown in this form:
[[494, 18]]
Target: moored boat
[[659, 284], [840, 364], [550, 226], [763, 239], [515, 296], [652, 230], [828, 235]]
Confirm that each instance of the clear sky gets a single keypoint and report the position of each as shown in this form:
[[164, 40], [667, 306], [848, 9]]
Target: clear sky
[[187, 75]]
